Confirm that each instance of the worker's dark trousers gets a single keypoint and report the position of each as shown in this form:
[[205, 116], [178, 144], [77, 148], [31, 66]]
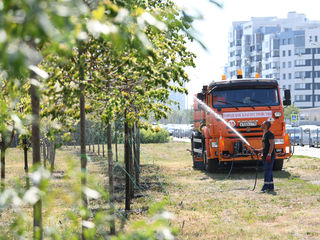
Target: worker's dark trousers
[[268, 175]]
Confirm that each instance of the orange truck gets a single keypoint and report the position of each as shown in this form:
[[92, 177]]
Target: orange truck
[[244, 103]]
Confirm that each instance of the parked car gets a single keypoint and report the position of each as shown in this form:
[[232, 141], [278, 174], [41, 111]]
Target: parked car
[[295, 134], [310, 135]]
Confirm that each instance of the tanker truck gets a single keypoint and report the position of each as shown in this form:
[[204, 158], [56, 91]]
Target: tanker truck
[[244, 104]]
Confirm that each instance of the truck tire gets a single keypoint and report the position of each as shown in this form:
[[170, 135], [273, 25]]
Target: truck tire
[[212, 165], [278, 164]]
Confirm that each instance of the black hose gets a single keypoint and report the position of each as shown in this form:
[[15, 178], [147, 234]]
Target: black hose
[[255, 180], [230, 168]]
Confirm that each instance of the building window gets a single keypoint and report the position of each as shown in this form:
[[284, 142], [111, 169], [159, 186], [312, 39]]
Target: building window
[[289, 53], [289, 86], [308, 63], [289, 40], [289, 75], [284, 76], [298, 75], [289, 64], [298, 86], [317, 62], [283, 53], [316, 38], [302, 86], [308, 74], [299, 51], [275, 65], [308, 86], [302, 98], [284, 65], [299, 63]]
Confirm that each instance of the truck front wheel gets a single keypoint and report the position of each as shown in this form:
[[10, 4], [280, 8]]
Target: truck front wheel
[[278, 164], [212, 165]]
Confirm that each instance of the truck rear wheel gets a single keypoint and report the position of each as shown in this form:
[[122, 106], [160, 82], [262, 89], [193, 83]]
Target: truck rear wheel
[[212, 165], [278, 164]]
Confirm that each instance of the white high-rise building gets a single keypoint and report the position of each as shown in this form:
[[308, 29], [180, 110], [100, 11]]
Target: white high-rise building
[[285, 49]]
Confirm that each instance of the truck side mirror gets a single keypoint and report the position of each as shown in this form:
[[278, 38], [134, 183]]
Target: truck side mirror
[[200, 96], [287, 98]]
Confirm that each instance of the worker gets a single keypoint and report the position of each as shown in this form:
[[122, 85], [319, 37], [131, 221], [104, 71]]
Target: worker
[[268, 157]]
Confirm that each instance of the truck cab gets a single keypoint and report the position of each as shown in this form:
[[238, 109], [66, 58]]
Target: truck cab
[[244, 104]]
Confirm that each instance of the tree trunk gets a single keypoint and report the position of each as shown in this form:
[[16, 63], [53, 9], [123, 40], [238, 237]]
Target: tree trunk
[[89, 142], [94, 138], [52, 156], [110, 173], [137, 154], [131, 164], [127, 165], [74, 140], [103, 140], [83, 142], [116, 140], [47, 151], [35, 109], [26, 167], [3, 164], [44, 153], [99, 143], [3, 148]]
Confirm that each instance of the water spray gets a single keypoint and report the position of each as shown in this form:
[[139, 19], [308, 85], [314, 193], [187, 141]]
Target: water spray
[[218, 116]]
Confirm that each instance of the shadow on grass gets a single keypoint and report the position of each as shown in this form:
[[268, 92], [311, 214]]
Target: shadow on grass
[[243, 172], [151, 180]]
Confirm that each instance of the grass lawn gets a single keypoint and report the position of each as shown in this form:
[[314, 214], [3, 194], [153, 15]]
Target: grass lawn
[[205, 206]]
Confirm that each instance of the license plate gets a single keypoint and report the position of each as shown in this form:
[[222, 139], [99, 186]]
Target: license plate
[[248, 124]]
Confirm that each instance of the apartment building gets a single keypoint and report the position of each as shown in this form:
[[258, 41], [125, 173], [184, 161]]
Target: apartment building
[[284, 49]]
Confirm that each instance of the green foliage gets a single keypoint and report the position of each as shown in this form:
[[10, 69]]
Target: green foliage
[[292, 109], [154, 136], [155, 227], [127, 55]]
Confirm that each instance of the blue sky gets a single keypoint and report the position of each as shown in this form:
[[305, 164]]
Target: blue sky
[[213, 30]]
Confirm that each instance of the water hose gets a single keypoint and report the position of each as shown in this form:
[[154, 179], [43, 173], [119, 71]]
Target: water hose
[[256, 177], [230, 167]]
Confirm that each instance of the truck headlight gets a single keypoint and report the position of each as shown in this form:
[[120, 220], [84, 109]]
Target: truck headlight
[[214, 144], [278, 141], [277, 114]]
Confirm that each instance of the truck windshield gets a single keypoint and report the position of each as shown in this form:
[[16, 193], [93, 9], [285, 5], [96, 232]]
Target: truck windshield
[[245, 97]]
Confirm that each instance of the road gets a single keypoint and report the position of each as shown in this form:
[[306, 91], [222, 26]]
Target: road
[[298, 150], [307, 151]]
